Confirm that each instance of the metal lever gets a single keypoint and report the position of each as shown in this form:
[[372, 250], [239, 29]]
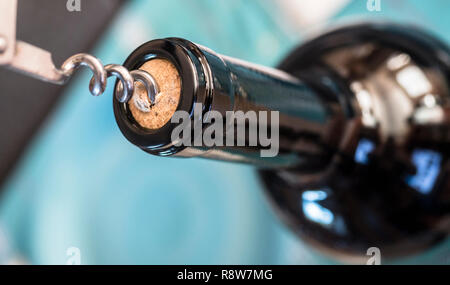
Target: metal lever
[[21, 56], [36, 62]]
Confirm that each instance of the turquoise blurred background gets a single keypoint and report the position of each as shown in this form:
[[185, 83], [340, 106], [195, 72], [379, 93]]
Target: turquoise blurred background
[[81, 184]]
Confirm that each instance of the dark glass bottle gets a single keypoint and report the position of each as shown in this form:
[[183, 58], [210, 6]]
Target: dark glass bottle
[[364, 132]]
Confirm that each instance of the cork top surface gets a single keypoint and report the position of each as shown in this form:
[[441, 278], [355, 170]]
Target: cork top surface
[[168, 79]]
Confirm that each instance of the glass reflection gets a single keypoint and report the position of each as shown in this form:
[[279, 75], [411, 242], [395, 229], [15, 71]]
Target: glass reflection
[[363, 149], [313, 210], [428, 166], [414, 81]]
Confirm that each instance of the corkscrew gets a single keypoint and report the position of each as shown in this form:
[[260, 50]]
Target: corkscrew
[[36, 62]]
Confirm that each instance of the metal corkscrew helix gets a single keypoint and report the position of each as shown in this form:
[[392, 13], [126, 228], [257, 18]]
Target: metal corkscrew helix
[[38, 63], [98, 81]]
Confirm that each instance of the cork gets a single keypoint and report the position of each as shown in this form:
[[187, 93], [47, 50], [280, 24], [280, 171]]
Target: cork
[[168, 79]]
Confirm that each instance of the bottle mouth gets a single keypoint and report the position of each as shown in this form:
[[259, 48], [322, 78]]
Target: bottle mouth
[[155, 115], [179, 73]]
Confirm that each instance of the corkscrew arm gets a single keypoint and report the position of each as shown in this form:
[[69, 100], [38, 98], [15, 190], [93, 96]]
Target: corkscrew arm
[[38, 63], [21, 56]]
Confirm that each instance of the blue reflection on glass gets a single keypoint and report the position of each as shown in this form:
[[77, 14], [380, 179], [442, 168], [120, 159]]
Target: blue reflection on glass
[[363, 149], [428, 165], [313, 211]]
